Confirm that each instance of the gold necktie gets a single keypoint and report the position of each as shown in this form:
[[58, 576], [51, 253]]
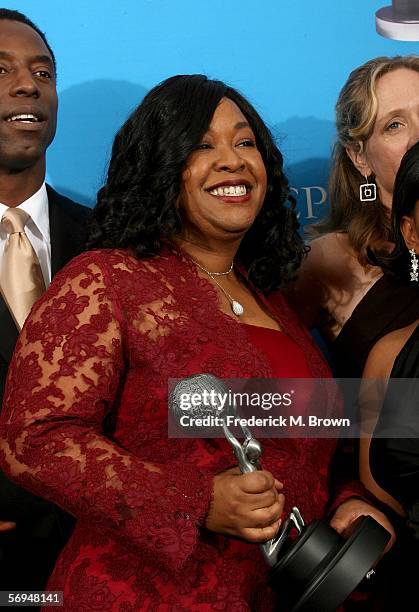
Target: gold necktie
[[21, 279]]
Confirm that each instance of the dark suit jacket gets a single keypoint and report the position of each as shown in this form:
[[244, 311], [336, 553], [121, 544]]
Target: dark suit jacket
[[37, 520]]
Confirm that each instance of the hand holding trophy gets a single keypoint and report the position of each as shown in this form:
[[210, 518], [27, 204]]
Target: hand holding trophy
[[318, 569]]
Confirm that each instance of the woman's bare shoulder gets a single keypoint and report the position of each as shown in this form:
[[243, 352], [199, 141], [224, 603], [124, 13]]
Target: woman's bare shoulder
[[384, 352], [308, 294]]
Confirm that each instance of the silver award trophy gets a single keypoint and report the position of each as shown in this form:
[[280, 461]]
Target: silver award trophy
[[248, 454], [316, 570]]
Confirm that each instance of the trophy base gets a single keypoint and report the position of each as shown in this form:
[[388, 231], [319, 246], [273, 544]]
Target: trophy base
[[390, 26], [320, 569]]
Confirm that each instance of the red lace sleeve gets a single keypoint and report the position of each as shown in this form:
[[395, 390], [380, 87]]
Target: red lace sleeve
[[66, 376]]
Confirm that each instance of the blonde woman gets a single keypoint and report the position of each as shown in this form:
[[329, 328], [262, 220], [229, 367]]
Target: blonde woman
[[338, 289]]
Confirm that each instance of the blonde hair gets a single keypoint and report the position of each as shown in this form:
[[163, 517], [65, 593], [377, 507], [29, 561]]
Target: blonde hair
[[367, 225]]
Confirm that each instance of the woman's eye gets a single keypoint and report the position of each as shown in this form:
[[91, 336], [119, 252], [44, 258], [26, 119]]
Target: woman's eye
[[248, 142], [202, 146], [3, 70], [394, 125]]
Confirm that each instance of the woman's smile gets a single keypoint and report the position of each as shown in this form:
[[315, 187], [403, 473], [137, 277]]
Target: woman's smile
[[231, 191]]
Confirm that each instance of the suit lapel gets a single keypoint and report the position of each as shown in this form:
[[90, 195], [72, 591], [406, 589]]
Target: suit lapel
[[8, 332], [67, 233]]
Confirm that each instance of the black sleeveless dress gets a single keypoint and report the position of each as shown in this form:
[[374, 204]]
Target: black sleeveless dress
[[394, 462], [394, 452], [390, 304]]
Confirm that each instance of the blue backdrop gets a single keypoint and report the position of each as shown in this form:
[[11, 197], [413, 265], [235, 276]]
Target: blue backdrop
[[289, 57]]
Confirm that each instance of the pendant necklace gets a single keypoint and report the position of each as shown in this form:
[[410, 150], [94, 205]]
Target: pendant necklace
[[236, 307]]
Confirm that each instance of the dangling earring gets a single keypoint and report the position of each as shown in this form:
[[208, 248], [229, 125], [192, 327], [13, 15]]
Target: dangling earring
[[414, 266], [367, 191]]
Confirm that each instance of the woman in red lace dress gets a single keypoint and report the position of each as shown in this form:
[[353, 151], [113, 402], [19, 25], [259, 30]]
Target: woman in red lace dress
[[194, 234]]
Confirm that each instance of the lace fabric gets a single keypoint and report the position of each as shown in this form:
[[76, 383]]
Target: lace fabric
[[84, 424]]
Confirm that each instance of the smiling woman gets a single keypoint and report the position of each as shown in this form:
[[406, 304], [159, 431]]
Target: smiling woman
[[195, 220], [341, 287], [150, 183]]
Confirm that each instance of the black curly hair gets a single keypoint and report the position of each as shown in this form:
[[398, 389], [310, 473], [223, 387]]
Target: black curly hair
[[405, 197], [136, 208]]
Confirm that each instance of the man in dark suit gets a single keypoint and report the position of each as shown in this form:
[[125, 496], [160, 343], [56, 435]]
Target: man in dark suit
[[32, 531]]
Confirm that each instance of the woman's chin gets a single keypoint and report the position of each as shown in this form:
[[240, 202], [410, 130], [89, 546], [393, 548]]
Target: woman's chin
[[229, 232], [235, 226]]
